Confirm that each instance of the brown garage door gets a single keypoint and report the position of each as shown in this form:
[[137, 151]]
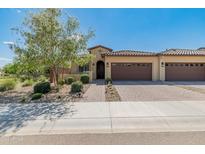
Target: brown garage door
[[131, 71], [184, 71]]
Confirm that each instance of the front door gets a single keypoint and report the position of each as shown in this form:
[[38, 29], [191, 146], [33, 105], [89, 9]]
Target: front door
[[100, 70]]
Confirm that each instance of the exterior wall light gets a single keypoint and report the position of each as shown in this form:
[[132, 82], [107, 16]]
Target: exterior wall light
[[162, 64], [93, 64], [107, 64]]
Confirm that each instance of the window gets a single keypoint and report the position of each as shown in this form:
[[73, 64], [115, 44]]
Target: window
[[84, 68]]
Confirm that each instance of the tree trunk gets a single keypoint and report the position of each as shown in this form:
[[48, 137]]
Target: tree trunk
[[63, 73], [53, 77]]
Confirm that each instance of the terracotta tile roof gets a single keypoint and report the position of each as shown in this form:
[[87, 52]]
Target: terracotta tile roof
[[100, 46], [130, 53], [168, 52], [184, 52]]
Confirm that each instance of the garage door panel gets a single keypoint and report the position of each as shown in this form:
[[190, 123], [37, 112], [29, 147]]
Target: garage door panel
[[184, 72], [131, 71]]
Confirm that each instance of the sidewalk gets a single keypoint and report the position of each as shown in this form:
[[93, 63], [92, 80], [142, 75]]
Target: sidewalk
[[115, 117]]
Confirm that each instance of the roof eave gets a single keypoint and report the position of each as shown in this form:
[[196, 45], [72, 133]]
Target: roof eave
[[99, 46]]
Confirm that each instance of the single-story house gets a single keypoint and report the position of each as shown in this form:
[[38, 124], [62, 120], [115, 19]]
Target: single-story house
[[169, 65]]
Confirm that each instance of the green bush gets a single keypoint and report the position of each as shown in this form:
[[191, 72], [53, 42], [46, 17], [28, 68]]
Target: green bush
[[24, 78], [42, 87], [76, 86], [7, 84], [84, 78], [42, 79], [36, 96], [61, 82], [108, 81], [69, 80], [23, 99], [27, 83], [2, 88]]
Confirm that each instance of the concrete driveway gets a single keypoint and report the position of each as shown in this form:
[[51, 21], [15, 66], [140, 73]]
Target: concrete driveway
[[160, 91]]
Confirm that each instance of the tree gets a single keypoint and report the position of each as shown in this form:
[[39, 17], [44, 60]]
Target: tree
[[10, 68], [50, 42]]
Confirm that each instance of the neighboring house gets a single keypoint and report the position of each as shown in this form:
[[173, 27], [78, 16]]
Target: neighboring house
[[169, 65]]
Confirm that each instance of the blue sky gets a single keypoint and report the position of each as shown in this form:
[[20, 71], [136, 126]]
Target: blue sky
[[138, 29]]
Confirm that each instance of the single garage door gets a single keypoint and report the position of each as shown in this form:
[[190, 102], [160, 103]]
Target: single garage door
[[185, 71], [131, 71]]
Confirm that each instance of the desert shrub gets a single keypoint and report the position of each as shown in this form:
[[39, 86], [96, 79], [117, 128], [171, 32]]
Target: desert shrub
[[23, 99], [108, 81], [36, 96], [84, 78], [69, 80], [2, 88], [61, 82], [7, 84], [24, 78], [42, 87], [42, 79], [76, 86], [76, 77], [27, 83]]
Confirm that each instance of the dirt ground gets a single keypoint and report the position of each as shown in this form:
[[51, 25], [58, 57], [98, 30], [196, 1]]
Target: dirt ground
[[23, 95]]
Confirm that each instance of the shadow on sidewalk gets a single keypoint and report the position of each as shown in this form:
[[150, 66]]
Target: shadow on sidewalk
[[15, 115]]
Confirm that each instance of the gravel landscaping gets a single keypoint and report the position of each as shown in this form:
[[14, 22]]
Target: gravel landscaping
[[23, 95], [111, 94]]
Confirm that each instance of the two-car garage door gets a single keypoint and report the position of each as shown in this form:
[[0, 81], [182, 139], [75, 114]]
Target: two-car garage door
[[131, 71], [184, 71], [173, 71]]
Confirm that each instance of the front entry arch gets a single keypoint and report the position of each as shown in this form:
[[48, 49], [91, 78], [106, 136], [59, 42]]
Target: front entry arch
[[100, 71]]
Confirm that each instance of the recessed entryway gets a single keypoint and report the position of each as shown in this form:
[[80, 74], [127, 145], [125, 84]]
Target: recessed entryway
[[100, 71]]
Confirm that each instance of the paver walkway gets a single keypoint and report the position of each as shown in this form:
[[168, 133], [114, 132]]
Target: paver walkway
[[95, 93]]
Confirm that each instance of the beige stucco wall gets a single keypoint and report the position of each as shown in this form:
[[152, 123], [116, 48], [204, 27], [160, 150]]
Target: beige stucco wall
[[158, 62], [74, 68], [93, 64], [134, 59], [182, 59], [97, 57]]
